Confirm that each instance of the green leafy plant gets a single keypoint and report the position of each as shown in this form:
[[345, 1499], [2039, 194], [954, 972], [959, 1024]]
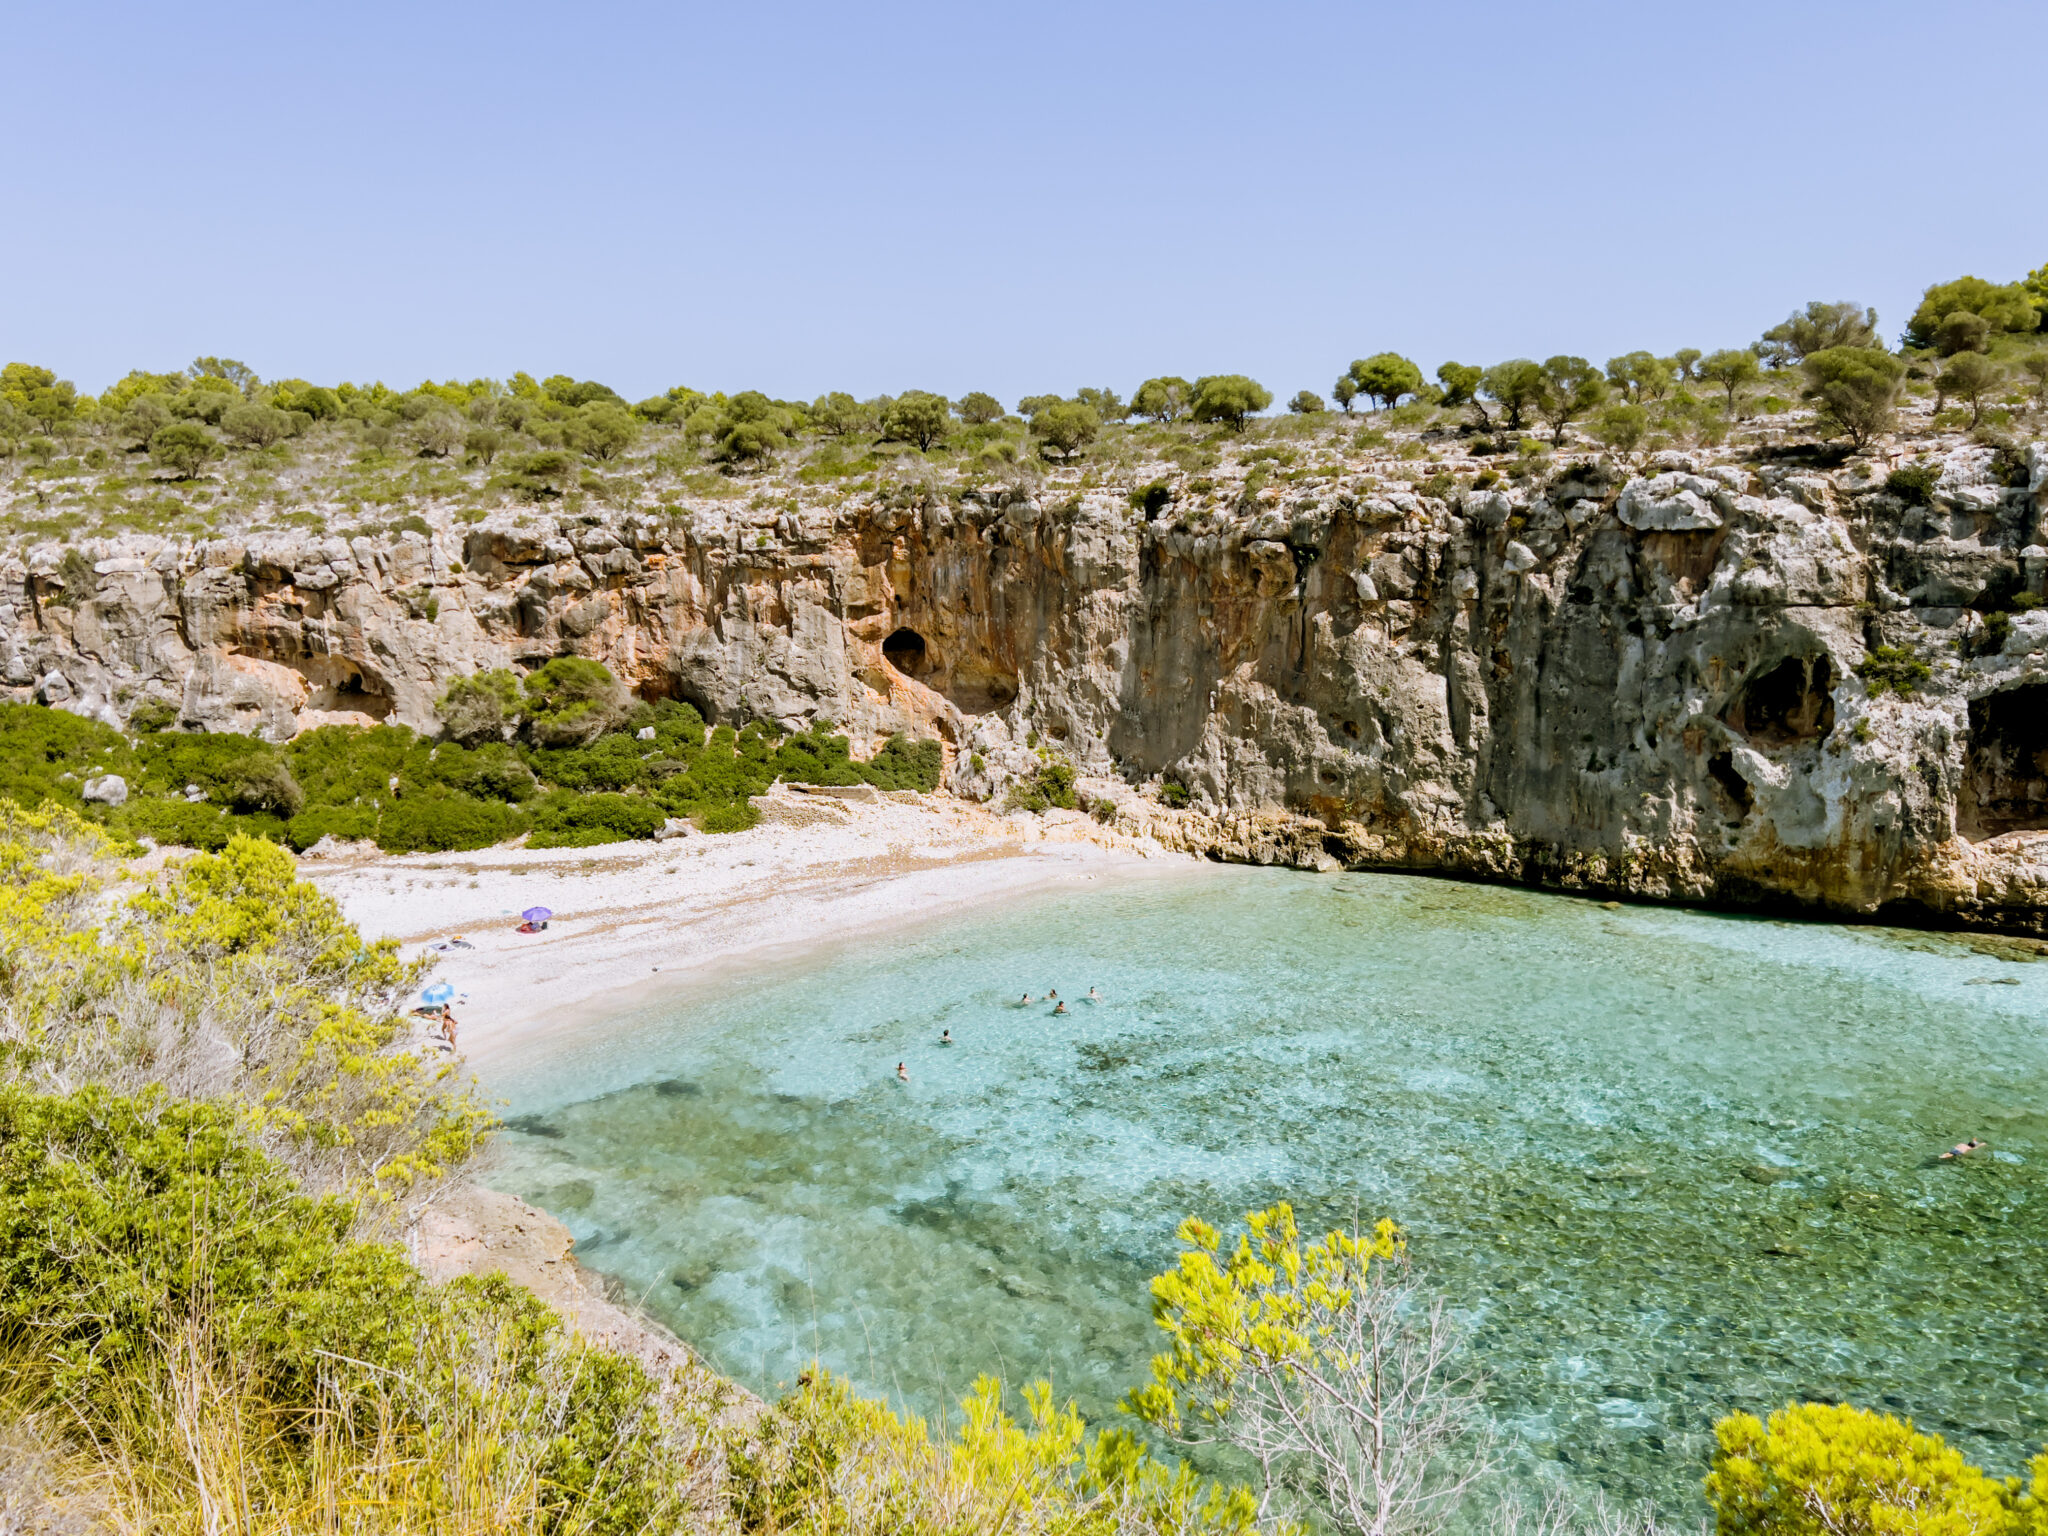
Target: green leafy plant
[[1893, 669], [1914, 484], [1049, 787]]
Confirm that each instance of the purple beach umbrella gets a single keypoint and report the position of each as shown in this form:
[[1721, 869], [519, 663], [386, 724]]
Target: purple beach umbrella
[[536, 914]]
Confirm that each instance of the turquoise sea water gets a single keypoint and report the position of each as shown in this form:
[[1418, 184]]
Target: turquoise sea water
[[1662, 1163]]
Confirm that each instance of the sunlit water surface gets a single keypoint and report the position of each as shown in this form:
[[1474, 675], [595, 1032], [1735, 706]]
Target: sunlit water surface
[[1663, 1163]]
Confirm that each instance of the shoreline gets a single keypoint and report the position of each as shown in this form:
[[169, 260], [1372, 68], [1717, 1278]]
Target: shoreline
[[640, 921], [643, 922]]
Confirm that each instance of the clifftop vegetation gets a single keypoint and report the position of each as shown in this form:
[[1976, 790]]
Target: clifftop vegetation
[[213, 448]]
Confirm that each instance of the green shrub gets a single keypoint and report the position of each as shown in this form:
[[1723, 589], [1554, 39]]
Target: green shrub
[[444, 823], [38, 746], [262, 782], [131, 1224], [1914, 485], [152, 715], [677, 726], [817, 756], [350, 823], [1151, 499], [490, 772], [739, 817], [572, 701], [1893, 669], [1173, 794], [1051, 786], [906, 764], [147, 1181], [222, 764], [564, 820], [487, 706], [611, 762], [199, 824]]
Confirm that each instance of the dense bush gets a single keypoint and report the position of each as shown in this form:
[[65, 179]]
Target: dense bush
[[905, 764], [488, 706], [1893, 669], [572, 700], [145, 1244], [224, 976], [446, 822], [1822, 1470], [1051, 786], [565, 820], [47, 754], [1914, 485], [411, 794]]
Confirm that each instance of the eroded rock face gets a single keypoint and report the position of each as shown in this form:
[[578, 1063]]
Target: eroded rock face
[[1643, 686]]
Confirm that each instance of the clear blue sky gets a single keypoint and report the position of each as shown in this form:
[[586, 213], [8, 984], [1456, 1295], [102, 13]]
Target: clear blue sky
[[1024, 198]]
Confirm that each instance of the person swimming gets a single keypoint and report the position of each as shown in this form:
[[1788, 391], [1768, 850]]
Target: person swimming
[[1052, 995], [1962, 1149], [1093, 996], [1024, 1001], [1060, 1008], [945, 1037], [902, 1073]]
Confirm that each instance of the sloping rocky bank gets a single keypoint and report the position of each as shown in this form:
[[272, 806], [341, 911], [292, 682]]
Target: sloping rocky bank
[[1636, 684]]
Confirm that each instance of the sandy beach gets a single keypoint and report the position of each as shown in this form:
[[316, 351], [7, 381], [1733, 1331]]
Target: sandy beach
[[633, 920]]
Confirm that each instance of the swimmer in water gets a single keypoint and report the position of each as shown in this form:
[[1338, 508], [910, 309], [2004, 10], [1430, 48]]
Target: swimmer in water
[[1061, 1008], [902, 1073], [1094, 996], [945, 1037], [1961, 1149], [1025, 1001], [1053, 995]]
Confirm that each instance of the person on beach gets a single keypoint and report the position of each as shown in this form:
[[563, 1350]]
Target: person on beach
[[902, 1073], [1961, 1149], [448, 1027]]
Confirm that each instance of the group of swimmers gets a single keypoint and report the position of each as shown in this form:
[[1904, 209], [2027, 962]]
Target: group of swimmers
[[1052, 996]]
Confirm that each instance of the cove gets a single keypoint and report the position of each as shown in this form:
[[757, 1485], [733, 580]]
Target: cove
[[1663, 1163]]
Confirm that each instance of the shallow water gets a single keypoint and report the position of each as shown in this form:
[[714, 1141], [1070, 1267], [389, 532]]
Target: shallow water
[[1665, 1164]]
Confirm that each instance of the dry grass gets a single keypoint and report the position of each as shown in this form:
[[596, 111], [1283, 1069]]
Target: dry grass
[[198, 1450]]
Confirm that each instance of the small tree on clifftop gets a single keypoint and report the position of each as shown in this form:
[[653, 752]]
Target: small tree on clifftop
[[1855, 391], [1734, 369], [1163, 399], [1229, 398], [1386, 377]]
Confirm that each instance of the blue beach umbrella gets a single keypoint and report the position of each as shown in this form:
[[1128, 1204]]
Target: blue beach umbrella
[[440, 992], [536, 914]]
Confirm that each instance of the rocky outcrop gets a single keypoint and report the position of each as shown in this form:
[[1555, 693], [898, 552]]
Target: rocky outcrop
[[1640, 685]]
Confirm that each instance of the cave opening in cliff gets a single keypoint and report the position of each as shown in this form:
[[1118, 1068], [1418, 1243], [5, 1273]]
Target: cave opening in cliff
[[1792, 702], [2005, 769], [1721, 769], [905, 651]]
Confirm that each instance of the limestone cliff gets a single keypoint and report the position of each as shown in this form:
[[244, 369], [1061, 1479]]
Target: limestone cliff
[[1640, 685]]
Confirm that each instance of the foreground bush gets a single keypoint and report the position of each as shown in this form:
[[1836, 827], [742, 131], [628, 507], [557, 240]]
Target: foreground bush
[[225, 978], [1817, 1470], [826, 1460], [225, 1345]]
